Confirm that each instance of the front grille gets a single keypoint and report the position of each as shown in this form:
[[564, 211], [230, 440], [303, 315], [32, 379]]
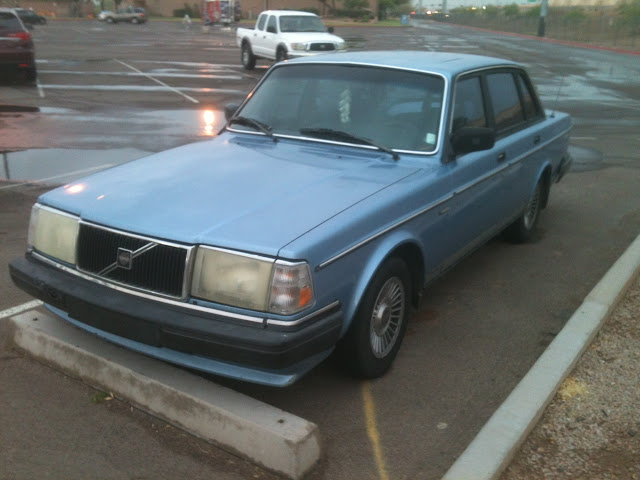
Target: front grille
[[144, 264], [322, 47]]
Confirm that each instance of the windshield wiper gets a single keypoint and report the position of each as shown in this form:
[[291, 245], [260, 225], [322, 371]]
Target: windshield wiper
[[256, 124], [330, 133]]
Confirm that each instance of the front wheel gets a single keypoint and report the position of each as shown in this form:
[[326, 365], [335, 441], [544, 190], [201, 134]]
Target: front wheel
[[522, 229], [247, 56], [281, 55], [134, 21], [374, 338]]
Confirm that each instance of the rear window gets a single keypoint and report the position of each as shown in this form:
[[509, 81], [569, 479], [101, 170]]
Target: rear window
[[9, 21]]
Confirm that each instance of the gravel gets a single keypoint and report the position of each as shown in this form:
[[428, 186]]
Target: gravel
[[591, 429]]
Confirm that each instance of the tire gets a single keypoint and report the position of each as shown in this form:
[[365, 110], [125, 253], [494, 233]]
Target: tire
[[110, 20], [374, 338], [31, 76], [135, 21], [523, 228], [281, 55], [247, 57]]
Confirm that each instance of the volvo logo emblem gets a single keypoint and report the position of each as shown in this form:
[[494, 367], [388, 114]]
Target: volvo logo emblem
[[124, 258]]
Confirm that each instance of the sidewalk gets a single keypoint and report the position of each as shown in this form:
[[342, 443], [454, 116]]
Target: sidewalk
[[591, 429]]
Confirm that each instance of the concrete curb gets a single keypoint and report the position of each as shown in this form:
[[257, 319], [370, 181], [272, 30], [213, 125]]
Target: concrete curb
[[262, 434], [493, 448]]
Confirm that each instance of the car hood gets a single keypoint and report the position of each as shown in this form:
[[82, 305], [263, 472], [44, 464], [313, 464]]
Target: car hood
[[237, 191]]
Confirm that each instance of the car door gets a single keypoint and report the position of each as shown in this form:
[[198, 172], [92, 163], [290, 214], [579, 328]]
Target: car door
[[271, 36], [258, 37], [488, 185]]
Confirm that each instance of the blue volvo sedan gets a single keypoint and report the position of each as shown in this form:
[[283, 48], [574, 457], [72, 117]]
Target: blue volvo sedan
[[336, 192]]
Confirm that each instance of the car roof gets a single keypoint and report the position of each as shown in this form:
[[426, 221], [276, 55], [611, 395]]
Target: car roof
[[448, 64]]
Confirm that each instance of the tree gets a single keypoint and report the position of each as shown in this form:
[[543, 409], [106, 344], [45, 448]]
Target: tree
[[511, 10], [629, 12], [393, 8]]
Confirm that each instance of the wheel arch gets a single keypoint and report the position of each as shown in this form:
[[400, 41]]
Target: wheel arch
[[544, 176], [399, 244]]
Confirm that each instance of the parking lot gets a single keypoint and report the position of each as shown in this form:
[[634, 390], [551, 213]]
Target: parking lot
[[110, 93]]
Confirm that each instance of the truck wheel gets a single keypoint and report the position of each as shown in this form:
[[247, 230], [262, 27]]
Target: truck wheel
[[247, 56], [281, 54], [110, 20], [374, 338], [134, 21], [522, 229]]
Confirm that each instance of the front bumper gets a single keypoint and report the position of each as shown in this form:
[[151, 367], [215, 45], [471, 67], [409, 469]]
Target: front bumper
[[273, 355]]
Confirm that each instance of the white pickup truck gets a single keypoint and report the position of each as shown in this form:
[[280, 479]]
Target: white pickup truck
[[282, 34]]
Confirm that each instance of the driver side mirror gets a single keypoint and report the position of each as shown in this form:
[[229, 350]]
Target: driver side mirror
[[230, 110], [271, 29], [330, 29], [472, 139]]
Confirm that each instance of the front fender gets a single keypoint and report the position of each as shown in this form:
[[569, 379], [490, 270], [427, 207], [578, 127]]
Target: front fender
[[377, 254]]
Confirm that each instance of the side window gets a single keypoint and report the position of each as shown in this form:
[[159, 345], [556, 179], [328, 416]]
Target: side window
[[531, 109], [272, 23], [505, 100], [261, 21], [468, 109]]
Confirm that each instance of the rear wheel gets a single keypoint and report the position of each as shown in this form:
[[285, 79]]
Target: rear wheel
[[135, 21], [247, 56], [30, 75], [375, 336], [522, 229], [110, 20]]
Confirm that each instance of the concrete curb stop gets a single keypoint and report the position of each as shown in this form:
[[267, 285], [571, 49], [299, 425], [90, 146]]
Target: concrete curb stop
[[498, 441], [264, 435]]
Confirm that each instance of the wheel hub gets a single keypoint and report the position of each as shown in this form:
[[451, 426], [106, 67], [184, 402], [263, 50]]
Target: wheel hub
[[386, 317]]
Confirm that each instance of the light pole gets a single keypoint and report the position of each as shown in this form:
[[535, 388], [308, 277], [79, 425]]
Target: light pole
[[544, 7]]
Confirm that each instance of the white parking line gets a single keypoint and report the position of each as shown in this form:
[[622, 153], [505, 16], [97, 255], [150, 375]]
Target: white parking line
[[135, 74], [40, 90], [158, 81], [75, 172], [20, 308], [137, 88]]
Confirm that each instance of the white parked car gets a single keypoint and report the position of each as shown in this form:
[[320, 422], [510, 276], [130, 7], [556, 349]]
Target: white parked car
[[282, 34]]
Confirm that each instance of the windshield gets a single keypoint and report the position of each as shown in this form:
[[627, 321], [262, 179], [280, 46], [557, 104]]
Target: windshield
[[392, 108], [301, 23]]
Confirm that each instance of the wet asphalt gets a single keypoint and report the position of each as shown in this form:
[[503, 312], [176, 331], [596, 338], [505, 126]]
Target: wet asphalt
[[477, 333]]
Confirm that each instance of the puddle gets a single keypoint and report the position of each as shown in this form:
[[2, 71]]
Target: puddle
[[60, 165], [585, 159], [147, 130]]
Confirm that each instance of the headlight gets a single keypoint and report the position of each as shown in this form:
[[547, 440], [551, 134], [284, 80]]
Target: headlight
[[341, 46], [53, 233], [252, 282], [299, 46]]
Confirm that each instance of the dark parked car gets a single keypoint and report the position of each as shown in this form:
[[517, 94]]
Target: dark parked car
[[17, 53], [29, 17]]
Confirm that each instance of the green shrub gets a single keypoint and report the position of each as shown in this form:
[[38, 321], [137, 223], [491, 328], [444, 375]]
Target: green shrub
[[511, 10]]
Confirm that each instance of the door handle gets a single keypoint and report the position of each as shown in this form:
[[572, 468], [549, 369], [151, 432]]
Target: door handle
[[536, 139], [502, 156]]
